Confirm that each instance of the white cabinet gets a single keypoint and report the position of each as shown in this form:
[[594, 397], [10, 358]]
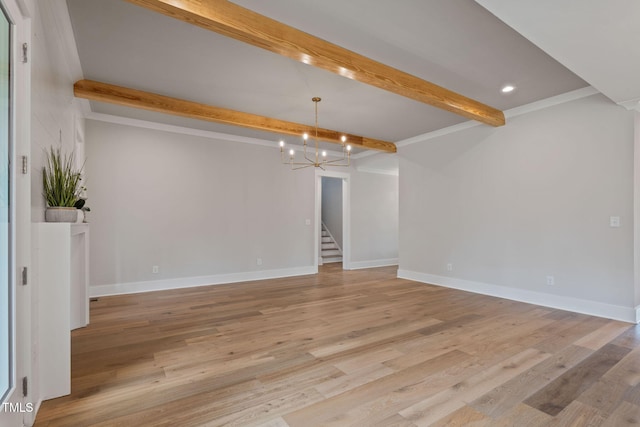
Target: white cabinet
[[62, 257]]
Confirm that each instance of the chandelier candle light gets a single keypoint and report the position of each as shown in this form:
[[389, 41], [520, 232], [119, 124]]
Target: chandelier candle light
[[320, 160]]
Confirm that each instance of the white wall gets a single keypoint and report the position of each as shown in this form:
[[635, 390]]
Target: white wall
[[374, 219], [203, 208], [192, 206], [510, 206], [54, 68], [55, 112], [332, 207]]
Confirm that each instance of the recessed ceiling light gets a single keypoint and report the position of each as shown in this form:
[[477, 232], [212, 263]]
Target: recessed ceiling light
[[507, 89]]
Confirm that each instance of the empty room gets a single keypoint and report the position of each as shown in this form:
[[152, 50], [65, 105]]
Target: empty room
[[302, 213]]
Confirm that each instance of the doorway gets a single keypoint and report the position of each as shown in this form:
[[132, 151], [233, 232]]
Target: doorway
[[331, 241], [332, 188]]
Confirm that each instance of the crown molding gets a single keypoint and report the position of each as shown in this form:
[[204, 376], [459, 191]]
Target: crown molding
[[514, 112], [181, 130], [632, 104], [437, 133], [552, 101], [392, 172]]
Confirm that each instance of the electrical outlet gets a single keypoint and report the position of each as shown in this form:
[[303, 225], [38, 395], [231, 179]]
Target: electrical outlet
[[551, 281], [449, 267], [614, 221], [259, 261], [155, 269]]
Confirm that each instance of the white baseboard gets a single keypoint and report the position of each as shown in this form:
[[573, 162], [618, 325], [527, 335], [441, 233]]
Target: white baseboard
[[356, 265], [593, 308], [190, 282]]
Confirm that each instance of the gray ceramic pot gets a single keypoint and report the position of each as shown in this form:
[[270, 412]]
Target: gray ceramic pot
[[58, 214]]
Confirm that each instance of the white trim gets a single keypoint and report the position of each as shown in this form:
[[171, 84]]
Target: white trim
[[365, 169], [593, 308], [632, 104], [367, 153], [636, 209], [21, 355], [514, 112], [551, 102], [436, 133], [509, 114], [637, 314], [317, 218], [346, 223], [357, 265], [190, 282], [145, 124], [346, 215]]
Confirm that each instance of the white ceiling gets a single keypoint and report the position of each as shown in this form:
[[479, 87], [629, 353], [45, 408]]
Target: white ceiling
[[598, 40], [455, 43]]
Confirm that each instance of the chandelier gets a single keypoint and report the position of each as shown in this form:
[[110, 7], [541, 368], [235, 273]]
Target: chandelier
[[319, 158]]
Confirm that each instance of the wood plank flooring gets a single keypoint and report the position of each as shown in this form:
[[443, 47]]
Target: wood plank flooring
[[345, 348]]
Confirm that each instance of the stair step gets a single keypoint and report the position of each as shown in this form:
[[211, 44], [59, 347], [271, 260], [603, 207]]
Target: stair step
[[331, 259], [326, 240], [329, 245], [331, 253], [325, 234]]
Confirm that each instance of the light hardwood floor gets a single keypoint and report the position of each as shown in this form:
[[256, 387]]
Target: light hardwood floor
[[345, 348]]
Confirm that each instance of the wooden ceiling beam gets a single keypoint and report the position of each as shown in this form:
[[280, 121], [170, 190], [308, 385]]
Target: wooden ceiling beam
[[104, 92], [229, 19]]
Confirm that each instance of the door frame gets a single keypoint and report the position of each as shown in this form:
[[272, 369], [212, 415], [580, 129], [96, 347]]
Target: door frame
[[24, 409], [346, 216], [636, 211]]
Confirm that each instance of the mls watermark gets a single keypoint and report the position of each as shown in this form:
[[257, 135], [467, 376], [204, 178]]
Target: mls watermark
[[23, 408]]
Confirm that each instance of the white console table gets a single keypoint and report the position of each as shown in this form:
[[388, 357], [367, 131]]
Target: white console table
[[62, 257]]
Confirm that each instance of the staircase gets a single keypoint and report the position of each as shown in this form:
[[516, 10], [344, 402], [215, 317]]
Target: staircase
[[330, 251]]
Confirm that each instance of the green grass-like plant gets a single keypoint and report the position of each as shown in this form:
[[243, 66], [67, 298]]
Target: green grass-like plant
[[60, 179]]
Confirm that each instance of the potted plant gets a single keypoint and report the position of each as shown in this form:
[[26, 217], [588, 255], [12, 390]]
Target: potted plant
[[61, 186]]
